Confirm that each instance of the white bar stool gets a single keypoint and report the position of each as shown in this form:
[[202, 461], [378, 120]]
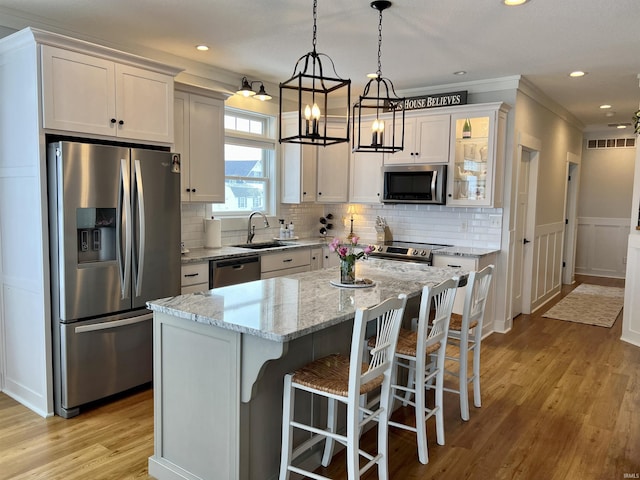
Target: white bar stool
[[335, 378], [466, 341]]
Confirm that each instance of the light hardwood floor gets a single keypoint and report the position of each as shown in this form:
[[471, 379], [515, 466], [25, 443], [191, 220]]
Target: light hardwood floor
[[560, 401]]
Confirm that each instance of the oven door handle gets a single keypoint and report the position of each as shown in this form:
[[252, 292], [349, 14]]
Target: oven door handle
[[113, 324]]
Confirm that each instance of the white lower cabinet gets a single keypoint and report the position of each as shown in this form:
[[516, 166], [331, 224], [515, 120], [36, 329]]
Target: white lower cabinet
[[468, 263], [194, 277], [316, 258], [329, 258], [285, 263]]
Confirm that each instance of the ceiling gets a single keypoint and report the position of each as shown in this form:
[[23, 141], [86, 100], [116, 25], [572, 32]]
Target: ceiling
[[424, 41]]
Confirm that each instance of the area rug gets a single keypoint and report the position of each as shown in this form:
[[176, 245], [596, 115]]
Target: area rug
[[589, 304]]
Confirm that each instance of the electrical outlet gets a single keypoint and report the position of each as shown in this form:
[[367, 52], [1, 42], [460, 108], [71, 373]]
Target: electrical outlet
[[464, 226], [495, 221]]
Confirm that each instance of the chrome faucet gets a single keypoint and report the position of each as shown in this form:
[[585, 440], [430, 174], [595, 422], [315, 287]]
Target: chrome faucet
[[251, 229]]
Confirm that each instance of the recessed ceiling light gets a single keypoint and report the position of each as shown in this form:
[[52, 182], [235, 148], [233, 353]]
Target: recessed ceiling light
[[605, 106], [514, 3], [621, 126], [202, 48], [460, 72], [577, 73]]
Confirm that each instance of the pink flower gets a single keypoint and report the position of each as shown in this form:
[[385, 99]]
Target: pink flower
[[368, 249], [342, 251], [335, 243], [354, 239]]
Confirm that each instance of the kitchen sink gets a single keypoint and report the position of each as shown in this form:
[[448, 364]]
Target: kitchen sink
[[263, 245]]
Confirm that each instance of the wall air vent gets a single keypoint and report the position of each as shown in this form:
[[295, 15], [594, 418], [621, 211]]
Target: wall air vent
[[612, 143]]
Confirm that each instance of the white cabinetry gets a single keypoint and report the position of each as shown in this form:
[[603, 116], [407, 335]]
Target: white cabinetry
[[476, 163], [365, 178], [313, 174], [316, 258], [329, 258], [94, 95], [194, 277], [285, 263], [468, 264], [298, 168], [199, 138], [333, 170], [426, 140], [26, 99]]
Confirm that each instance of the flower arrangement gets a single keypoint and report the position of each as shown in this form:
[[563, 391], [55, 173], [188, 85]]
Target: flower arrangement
[[348, 257]]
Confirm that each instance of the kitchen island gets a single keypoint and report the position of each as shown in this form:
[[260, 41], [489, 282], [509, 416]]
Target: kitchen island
[[220, 357]]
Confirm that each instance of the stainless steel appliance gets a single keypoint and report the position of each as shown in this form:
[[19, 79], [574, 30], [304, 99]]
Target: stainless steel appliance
[[115, 244], [233, 271], [406, 251], [414, 184]]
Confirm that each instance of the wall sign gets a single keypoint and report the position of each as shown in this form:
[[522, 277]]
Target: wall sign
[[435, 100]]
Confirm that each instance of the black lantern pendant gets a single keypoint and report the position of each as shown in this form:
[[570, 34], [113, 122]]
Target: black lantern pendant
[[319, 103], [378, 116]]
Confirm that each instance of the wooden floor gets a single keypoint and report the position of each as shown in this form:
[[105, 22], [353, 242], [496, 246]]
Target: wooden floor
[[560, 401]]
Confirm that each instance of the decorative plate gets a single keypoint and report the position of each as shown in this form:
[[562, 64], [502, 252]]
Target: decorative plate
[[360, 283]]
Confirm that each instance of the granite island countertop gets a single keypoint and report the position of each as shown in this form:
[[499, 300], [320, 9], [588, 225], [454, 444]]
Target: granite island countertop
[[285, 308]]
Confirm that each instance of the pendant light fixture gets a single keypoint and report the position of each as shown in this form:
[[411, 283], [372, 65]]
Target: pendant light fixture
[[316, 100], [378, 116]]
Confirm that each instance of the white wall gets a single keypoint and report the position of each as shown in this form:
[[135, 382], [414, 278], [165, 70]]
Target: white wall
[[558, 133], [604, 207]]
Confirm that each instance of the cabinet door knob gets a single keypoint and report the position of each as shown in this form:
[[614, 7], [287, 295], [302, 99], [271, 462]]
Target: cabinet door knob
[[113, 120], [193, 190], [319, 193], [121, 122], [188, 189]]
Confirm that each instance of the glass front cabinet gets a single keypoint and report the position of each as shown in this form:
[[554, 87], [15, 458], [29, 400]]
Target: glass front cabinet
[[477, 156]]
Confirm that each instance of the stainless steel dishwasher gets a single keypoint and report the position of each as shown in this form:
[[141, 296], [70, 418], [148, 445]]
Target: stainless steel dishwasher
[[232, 271]]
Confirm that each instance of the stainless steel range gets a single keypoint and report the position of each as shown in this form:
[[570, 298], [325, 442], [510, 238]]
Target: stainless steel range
[[406, 251]]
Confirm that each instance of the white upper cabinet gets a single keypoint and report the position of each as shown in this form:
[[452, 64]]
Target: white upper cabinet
[[313, 174], [365, 178], [333, 171], [88, 94], [199, 138], [426, 140], [298, 173], [477, 156]]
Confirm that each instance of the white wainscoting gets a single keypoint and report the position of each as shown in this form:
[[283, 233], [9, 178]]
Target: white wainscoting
[[547, 263], [631, 311], [602, 246]]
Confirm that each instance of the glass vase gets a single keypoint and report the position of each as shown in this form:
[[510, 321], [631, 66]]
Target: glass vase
[[347, 271]]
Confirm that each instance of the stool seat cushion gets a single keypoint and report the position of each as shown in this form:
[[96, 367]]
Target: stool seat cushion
[[331, 374], [407, 343], [456, 323]]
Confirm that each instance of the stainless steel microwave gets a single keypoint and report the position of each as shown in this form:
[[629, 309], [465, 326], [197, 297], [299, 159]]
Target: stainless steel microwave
[[415, 184]]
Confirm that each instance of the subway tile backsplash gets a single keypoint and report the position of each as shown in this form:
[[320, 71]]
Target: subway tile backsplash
[[465, 227]]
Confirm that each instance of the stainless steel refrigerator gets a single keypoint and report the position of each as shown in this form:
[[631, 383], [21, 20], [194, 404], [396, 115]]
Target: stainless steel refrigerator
[[115, 244]]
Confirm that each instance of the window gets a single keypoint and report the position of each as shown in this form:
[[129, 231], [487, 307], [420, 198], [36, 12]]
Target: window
[[249, 159]]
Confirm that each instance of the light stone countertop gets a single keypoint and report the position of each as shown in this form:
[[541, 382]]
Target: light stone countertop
[[285, 308], [196, 255], [465, 251]]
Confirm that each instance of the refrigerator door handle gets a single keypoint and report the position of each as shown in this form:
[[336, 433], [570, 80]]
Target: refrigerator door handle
[[113, 324], [141, 227], [125, 212]]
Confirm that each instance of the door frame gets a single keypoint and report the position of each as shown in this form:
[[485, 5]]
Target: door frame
[[532, 145], [571, 218]]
